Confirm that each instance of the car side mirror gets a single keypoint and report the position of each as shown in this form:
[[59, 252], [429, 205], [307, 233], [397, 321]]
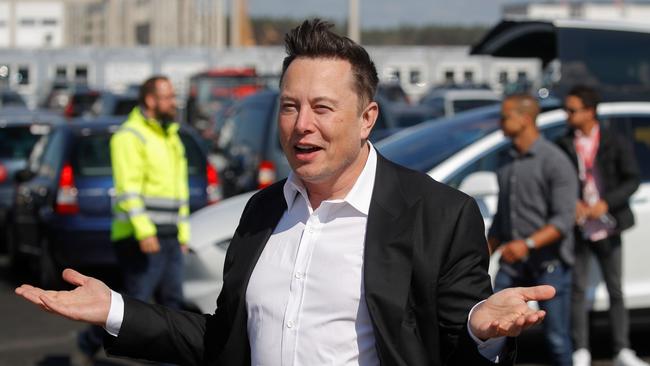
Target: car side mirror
[[23, 175], [480, 184]]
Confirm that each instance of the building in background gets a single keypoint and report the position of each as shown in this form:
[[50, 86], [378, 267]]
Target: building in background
[[32, 23]]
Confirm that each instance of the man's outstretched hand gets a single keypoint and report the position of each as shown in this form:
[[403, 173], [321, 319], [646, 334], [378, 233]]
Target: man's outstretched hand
[[89, 302], [506, 312]]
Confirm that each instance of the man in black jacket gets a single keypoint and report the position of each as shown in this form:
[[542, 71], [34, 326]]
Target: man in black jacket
[[352, 260], [609, 175]]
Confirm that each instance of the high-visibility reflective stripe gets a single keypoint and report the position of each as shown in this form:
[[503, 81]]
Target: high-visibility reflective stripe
[[164, 203], [126, 196], [162, 218], [157, 217], [137, 133]]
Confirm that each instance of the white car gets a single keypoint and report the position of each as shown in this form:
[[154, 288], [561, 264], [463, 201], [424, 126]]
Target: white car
[[463, 152]]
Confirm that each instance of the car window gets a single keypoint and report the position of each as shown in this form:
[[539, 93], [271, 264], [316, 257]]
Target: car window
[[250, 124], [92, 155], [52, 155], [637, 130], [464, 105], [492, 160], [124, 106], [426, 145], [16, 142], [195, 160], [12, 99]]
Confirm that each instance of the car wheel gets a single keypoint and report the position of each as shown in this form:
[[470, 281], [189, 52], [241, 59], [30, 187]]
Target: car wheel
[[48, 271]]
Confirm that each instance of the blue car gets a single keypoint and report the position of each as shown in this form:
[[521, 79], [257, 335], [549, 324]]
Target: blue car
[[63, 203]]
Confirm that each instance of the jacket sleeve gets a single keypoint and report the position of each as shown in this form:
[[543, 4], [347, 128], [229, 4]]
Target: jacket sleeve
[[156, 333], [127, 152], [628, 170], [464, 282]]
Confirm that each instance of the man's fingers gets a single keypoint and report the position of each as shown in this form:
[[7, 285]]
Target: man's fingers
[[74, 277], [30, 293], [537, 293]]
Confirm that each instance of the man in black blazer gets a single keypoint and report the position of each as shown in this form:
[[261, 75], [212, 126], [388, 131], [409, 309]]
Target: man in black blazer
[[352, 260], [609, 175]]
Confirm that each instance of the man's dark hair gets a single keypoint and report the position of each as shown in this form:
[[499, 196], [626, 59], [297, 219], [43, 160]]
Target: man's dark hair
[[588, 95], [314, 39], [149, 87]]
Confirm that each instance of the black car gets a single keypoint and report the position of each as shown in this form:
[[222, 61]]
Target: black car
[[19, 132], [114, 104], [63, 202]]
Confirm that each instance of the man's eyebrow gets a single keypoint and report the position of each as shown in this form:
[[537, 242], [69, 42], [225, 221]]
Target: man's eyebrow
[[288, 98]]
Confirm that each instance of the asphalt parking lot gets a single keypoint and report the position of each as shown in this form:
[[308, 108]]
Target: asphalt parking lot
[[31, 337]]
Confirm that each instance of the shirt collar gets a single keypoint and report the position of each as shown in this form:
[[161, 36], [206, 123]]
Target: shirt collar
[[594, 130], [359, 196], [534, 148]]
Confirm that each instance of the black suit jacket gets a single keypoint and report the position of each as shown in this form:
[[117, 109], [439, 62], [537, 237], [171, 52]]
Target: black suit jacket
[[618, 169], [425, 266]]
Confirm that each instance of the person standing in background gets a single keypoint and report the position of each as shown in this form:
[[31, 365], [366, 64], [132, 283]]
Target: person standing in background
[[609, 175], [150, 227], [533, 226]]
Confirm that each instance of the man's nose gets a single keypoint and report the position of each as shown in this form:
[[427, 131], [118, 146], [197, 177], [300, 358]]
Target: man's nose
[[305, 121]]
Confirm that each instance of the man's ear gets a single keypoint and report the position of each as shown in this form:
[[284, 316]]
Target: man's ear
[[368, 119], [149, 101]]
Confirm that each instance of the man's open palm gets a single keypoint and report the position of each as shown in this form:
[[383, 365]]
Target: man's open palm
[[89, 302], [506, 313]]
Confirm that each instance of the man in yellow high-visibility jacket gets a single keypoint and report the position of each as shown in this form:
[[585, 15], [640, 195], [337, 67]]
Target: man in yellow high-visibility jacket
[[150, 216]]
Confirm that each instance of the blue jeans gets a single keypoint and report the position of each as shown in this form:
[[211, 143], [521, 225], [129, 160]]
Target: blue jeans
[[157, 276], [557, 322]]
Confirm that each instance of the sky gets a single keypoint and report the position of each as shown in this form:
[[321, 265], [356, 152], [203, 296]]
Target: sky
[[388, 13]]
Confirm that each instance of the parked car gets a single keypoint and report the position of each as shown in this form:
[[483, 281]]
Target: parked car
[[80, 101], [248, 140], [63, 202], [392, 92], [114, 104], [463, 152], [19, 132], [10, 98], [448, 102]]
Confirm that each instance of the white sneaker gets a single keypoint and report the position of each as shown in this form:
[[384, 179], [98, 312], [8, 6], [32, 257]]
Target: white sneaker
[[627, 357], [582, 357]]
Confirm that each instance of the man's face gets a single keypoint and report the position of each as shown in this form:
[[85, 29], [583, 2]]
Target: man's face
[[163, 101], [512, 121], [322, 130], [577, 114]]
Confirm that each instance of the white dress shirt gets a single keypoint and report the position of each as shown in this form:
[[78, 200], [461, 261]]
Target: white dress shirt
[[305, 298]]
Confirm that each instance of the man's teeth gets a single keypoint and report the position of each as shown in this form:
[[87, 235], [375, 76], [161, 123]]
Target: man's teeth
[[305, 148]]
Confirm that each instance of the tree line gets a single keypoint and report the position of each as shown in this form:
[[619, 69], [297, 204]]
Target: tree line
[[270, 31]]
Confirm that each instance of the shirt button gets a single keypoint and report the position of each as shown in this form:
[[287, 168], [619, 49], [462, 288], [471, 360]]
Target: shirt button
[[290, 324], [299, 275]]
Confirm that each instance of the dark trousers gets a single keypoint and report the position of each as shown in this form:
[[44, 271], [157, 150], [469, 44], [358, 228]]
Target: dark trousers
[[147, 277], [556, 324], [609, 257], [157, 276]]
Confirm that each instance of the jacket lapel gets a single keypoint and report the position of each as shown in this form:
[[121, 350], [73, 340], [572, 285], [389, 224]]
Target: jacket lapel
[[388, 253]]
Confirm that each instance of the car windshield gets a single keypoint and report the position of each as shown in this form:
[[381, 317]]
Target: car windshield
[[12, 99], [464, 105], [16, 142], [424, 146]]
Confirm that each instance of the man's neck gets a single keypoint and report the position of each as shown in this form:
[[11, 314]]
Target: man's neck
[[338, 187], [525, 140], [587, 127]]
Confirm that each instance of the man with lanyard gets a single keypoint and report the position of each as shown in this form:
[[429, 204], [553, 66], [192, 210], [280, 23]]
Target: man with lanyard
[[609, 175]]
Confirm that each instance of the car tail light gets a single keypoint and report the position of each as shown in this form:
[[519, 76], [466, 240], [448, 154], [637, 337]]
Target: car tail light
[[3, 173], [66, 197], [266, 174], [213, 188], [68, 112]]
